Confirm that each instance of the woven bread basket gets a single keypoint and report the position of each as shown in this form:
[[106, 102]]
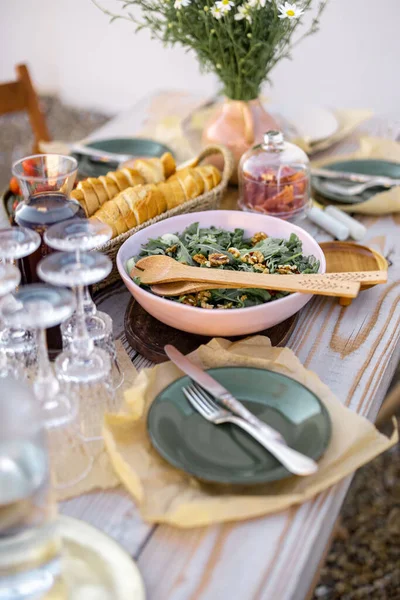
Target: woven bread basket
[[207, 201]]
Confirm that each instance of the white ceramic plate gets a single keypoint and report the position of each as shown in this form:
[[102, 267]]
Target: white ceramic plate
[[313, 123], [95, 566]]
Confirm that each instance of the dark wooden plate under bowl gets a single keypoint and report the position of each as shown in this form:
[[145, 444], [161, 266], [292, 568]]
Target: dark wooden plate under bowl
[[148, 336]]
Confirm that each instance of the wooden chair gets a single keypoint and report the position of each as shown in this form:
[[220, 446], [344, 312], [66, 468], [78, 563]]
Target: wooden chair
[[20, 95]]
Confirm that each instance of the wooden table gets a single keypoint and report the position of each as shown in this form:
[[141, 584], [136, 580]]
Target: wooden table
[[354, 350]]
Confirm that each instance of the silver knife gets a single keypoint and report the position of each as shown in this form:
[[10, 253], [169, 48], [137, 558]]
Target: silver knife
[[218, 391], [358, 177], [99, 155]]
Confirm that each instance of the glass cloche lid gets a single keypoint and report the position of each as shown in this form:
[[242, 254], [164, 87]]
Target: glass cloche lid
[[274, 178]]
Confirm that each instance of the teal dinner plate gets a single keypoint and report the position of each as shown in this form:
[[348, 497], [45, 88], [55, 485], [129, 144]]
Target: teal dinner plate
[[137, 147], [365, 167], [225, 453]]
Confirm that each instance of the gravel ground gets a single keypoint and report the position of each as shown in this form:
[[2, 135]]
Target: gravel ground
[[64, 123], [364, 561]]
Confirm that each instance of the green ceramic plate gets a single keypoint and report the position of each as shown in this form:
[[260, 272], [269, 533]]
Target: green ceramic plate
[[366, 167], [134, 146], [225, 453]]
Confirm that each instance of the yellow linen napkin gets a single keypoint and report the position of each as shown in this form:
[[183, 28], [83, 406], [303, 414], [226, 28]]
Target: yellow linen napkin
[[383, 203], [167, 495]]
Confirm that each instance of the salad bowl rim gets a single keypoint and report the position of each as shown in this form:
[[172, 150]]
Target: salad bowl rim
[[281, 302]]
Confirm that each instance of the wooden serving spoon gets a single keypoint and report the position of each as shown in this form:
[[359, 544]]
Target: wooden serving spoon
[[163, 269], [180, 288]]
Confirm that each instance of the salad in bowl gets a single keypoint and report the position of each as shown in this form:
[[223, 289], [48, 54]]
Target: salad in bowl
[[219, 248], [223, 240]]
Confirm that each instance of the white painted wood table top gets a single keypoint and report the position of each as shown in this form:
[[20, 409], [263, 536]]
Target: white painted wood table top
[[354, 350]]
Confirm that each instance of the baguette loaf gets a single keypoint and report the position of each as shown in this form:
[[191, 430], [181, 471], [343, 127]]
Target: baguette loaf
[[109, 185], [172, 192], [97, 191], [120, 179], [210, 175], [78, 195], [91, 199], [191, 181], [133, 176], [137, 204], [155, 170]]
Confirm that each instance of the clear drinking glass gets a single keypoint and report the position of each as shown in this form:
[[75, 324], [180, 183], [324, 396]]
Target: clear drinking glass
[[41, 306], [80, 235], [45, 173], [9, 280], [29, 545], [46, 181], [17, 242], [44, 306], [84, 369], [18, 344]]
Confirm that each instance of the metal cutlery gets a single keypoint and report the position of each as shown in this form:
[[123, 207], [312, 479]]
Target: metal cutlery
[[356, 177], [99, 155], [294, 461], [218, 391], [358, 188]]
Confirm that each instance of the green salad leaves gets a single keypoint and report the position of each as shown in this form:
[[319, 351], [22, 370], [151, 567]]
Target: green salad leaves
[[214, 248]]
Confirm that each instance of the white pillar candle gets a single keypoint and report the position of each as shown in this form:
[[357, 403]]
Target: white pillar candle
[[331, 225], [357, 229]]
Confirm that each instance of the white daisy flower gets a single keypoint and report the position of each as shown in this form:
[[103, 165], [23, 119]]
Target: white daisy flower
[[216, 12], [244, 12], [225, 5], [290, 11], [258, 3], [179, 3]]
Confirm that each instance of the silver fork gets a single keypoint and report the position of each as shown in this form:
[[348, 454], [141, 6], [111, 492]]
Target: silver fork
[[294, 461], [359, 188]]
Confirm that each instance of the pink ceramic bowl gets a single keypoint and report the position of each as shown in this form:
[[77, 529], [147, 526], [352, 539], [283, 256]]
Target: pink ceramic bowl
[[241, 321]]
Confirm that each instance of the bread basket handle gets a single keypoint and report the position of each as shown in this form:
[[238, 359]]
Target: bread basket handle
[[229, 162]]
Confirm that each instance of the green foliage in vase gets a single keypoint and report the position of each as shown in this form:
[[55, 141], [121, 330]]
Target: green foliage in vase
[[239, 40]]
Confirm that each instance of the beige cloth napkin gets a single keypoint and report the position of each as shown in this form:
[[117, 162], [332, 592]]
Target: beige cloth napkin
[[167, 495], [75, 456], [383, 203]]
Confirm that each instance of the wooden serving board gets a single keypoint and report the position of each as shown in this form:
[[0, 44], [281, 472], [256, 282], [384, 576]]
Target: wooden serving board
[[148, 336]]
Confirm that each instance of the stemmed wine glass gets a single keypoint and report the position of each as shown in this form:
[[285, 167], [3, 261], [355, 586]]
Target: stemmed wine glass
[[17, 242], [83, 368], [17, 343], [40, 306], [9, 280], [80, 235]]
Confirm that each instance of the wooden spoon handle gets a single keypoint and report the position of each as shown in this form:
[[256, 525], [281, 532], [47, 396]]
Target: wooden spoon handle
[[332, 284], [179, 288], [306, 284]]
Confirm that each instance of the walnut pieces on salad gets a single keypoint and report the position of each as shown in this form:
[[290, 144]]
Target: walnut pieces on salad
[[215, 248]]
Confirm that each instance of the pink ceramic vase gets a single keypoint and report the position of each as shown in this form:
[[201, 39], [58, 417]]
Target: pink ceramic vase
[[238, 125]]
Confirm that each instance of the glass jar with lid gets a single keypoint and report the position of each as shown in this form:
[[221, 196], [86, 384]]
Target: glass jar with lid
[[274, 178]]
